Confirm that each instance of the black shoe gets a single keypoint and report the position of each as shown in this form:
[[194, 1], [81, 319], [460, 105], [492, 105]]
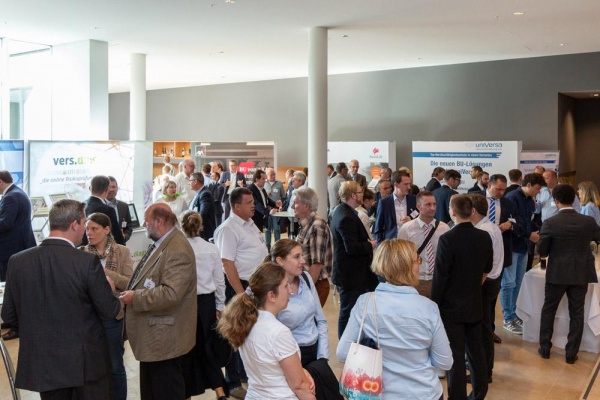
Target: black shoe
[[496, 338], [544, 353], [571, 359], [10, 335], [490, 380]]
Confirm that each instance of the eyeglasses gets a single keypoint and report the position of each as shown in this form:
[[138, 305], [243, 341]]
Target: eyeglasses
[[359, 192]]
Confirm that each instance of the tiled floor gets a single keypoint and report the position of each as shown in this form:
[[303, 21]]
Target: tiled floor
[[519, 374]]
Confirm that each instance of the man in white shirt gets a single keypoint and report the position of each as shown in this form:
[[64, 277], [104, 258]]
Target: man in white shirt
[[183, 181], [491, 286], [242, 249], [417, 231]]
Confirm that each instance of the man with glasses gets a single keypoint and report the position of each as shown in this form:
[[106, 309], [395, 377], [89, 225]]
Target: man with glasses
[[355, 176], [395, 210], [230, 180], [352, 252], [182, 179]]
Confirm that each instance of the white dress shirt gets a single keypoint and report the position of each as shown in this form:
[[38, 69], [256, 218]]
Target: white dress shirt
[[413, 231]]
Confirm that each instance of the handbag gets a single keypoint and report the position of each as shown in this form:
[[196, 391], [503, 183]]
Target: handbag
[[361, 376]]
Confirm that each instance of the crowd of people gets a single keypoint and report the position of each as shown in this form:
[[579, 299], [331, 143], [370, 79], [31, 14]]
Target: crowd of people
[[421, 268]]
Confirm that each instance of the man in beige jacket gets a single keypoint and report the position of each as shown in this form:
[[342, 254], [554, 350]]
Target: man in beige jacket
[[160, 314]]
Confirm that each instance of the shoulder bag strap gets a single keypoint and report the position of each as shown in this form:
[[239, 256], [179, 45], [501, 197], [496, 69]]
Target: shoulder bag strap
[[362, 322], [428, 238]]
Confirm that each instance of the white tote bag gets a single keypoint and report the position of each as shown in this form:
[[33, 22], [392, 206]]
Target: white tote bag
[[361, 376]]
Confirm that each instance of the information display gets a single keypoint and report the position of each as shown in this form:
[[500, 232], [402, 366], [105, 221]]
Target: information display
[[532, 158], [371, 156], [11, 159]]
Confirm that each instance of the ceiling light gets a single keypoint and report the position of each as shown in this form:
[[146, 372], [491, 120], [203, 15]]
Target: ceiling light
[[259, 143], [518, 13], [595, 95], [204, 144], [563, 44]]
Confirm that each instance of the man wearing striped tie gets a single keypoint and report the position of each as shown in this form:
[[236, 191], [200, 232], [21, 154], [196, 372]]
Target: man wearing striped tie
[[419, 229]]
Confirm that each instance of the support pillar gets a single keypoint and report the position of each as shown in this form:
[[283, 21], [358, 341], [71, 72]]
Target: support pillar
[[137, 98]]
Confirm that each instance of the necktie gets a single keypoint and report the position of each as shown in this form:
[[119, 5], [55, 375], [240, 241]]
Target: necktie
[[429, 250], [140, 266], [492, 212]]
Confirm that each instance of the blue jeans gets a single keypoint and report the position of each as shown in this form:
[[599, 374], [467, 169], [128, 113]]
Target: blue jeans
[[114, 336], [272, 225], [511, 284]]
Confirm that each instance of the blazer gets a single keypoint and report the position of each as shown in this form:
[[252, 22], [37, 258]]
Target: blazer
[[94, 204], [507, 211], [226, 177], [433, 184], [352, 251], [360, 179], [476, 188], [59, 296], [442, 202], [15, 223], [260, 211], [463, 255], [566, 238], [161, 322], [124, 216], [523, 208], [386, 226], [204, 203]]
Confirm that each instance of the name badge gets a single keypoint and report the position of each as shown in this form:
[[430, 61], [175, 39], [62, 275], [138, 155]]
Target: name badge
[[149, 284], [512, 220], [275, 190], [414, 214], [124, 224]]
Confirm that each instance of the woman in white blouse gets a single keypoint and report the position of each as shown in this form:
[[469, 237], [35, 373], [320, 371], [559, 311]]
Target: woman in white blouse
[[173, 199], [303, 315], [201, 367], [268, 349]]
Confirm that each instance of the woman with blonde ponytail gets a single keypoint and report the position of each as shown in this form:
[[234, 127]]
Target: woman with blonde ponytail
[[270, 354]]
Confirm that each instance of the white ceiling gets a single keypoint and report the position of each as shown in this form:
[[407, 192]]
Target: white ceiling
[[200, 42]]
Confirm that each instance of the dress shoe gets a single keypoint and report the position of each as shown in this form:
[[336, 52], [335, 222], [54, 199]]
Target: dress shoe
[[572, 359], [10, 335], [238, 393], [544, 353], [497, 339]]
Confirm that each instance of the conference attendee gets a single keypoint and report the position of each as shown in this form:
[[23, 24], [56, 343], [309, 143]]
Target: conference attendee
[[539, 169], [263, 205], [182, 179], [204, 204], [160, 300], [118, 266], [267, 346], [516, 177], [174, 200], [298, 181], [333, 186], [120, 207], [241, 247], [437, 176], [411, 352], [414, 189], [424, 232], [545, 202], [442, 195], [167, 163], [368, 201], [352, 252], [303, 314], [97, 203], [276, 192], [590, 200], [208, 181], [316, 240], [201, 368], [525, 230], [330, 171], [395, 210], [385, 174], [481, 183], [383, 189], [63, 351], [355, 176], [464, 257], [475, 170], [230, 180], [565, 240], [219, 192], [491, 286]]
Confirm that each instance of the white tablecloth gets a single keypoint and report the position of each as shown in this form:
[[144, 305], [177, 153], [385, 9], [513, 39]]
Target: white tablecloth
[[529, 309]]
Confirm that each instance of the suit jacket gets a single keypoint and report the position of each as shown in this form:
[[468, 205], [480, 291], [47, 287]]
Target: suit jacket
[[433, 184], [204, 203], [507, 211], [566, 238], [15, 223], [161, 322], [227, 177], [59, 295], [442, 202], [94, 204], [360, 179], [476, 189], [386, 226], [512, 187], [124, 216], [523, 208], [463, 255], [352, 251], [260, 211], [288, 197]]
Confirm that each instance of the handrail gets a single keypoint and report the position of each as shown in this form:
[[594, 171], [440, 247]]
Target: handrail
[[10, 371]]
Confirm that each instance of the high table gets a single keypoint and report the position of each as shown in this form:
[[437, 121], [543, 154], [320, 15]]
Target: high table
[[292, 218], [529, 309]]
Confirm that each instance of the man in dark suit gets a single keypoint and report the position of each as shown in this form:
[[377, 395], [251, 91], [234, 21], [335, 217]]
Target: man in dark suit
[[97, 203], [515, 176], [15, 221], [230, 180], [352, 252], [120, 207], [436, 176], [442, 195], [204, 204], [401, 202], [262, 202], [463, 259], [60, 295], [481, 183], [355, 176], [566, 238]]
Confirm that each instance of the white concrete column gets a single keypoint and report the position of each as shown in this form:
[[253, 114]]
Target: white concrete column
[[137, 98], [4, 90], [317, 115]]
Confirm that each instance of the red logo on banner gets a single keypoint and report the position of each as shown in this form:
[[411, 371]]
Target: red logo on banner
[[375, 150]]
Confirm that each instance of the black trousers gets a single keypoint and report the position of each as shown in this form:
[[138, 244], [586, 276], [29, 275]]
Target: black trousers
[[94, 390], [466, 337], [489, 294], [161, 380], [576, 297]]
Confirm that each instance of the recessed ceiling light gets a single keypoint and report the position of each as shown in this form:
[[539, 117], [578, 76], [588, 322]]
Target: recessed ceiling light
[[345, 36], [595, 95], [518, 13], [563, 44]]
